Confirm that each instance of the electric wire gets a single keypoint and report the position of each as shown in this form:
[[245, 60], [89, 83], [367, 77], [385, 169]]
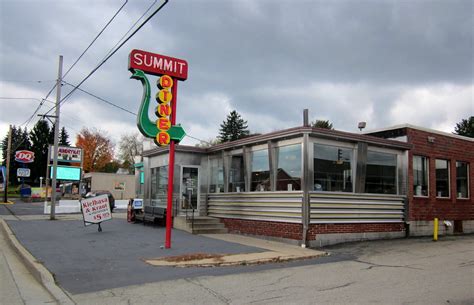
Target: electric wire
[[63, 100], [101, 99], [77, 60]]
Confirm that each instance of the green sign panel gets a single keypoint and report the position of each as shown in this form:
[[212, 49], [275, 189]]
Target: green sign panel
[[66, 173]]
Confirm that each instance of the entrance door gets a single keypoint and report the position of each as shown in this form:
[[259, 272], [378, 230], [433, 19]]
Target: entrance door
[[189, 188]]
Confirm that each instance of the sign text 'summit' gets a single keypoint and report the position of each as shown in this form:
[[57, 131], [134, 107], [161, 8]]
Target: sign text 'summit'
[[157, 64]]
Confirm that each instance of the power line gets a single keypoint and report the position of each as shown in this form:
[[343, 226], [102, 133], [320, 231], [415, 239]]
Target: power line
[[26, 81], [101, 99], [100, 33], [77, 60], [110, 55]]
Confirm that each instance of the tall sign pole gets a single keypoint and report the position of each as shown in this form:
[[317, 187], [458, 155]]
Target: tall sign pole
[[56, 139], [7, 174], [163, 130]]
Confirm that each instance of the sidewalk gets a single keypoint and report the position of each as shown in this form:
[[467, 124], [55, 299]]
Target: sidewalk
[[123, 254]]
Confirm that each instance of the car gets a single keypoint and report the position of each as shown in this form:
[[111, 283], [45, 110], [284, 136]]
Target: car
[[98, 193]]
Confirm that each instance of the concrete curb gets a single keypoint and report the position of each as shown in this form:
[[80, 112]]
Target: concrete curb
[[41, 274]]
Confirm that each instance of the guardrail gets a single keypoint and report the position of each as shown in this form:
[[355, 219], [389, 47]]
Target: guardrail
[[267, 206], [356, 208]]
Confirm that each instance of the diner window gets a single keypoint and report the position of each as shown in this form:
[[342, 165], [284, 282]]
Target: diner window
[[442, 178], [332, 168], [216, 184], [420, 176], [289, 168], [236, 175], [462, 179], [381, 173], [159, 185], [260, 171]]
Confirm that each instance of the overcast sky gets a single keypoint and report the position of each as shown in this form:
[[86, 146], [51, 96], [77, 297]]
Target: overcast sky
[[383, 62]]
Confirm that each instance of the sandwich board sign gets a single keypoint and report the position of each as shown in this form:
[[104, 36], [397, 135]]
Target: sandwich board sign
[[95, 210]]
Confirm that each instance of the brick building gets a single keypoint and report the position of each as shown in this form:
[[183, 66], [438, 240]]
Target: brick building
[[439, 179]]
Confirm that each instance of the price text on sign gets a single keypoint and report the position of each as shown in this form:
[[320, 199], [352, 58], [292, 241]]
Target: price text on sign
[[96, 209]]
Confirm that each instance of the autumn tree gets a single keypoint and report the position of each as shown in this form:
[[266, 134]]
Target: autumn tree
[[322, 124], [130, 145], [233, 128], [465, 127], [98, 150]]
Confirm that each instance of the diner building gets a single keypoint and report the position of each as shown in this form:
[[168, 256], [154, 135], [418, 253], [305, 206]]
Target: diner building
[[439, 178], [309, 186]]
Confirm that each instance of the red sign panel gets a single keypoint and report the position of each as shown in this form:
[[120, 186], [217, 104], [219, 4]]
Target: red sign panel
[[24, 156], [157, 64]]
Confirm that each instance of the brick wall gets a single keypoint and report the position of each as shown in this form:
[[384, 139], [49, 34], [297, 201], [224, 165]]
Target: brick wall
[[295, 231], [447, 148]]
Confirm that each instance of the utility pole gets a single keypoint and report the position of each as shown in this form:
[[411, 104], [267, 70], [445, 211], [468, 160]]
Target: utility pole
[[7, 174], [56, 139]]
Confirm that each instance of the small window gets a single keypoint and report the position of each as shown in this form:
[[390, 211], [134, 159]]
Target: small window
[[332, 168], [420, 176], [260, 171], [159, 186], [462, 179], [289, 168], [381, 176], [442, 178]]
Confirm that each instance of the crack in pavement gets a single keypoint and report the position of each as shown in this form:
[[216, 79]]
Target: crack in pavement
[[210, 291], [266, 299], [336, 287], [277, 281], [373, 265]]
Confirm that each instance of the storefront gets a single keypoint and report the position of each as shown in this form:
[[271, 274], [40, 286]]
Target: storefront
[[313, 186]]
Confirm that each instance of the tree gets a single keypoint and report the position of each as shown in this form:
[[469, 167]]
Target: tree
[[40, 141], [112, 167], [64, 137], [233, 128], [130, 145], [98, 150], [208, 143], [322, 124], [465, 127], [19, 141]]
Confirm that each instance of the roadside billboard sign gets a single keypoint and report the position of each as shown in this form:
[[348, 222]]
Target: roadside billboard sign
[[67, 154], [96, 210], [23, 172], [24, 156]]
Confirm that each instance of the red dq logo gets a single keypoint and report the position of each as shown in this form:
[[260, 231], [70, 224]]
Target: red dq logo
[[24, 156]]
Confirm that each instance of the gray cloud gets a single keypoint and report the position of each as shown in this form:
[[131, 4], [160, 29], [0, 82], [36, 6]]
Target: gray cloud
[[345, 60]]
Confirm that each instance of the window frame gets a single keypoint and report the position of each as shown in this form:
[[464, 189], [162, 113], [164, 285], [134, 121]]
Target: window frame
[[398, 165], [467, 180], [277, 156], [449, 179], [427, 176]]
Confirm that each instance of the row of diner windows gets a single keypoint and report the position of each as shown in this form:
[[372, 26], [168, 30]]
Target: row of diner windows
[[332, 168], [443, 175]]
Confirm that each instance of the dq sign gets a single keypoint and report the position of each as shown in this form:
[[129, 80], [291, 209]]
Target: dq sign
[[24, 156], [170, 69]]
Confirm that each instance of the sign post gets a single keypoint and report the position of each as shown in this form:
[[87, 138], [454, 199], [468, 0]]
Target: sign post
[[164, 130]]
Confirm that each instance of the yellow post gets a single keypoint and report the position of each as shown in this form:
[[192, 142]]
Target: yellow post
[[435, 229]]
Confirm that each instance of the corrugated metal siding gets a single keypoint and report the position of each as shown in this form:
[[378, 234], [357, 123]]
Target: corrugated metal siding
[[356, 208], [269, 206]]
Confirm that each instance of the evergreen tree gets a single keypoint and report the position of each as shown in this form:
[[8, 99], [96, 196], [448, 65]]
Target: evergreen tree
[[322, 124], [465, 127], [233, 128], [19, 141], [40, 137], [64, 137]]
